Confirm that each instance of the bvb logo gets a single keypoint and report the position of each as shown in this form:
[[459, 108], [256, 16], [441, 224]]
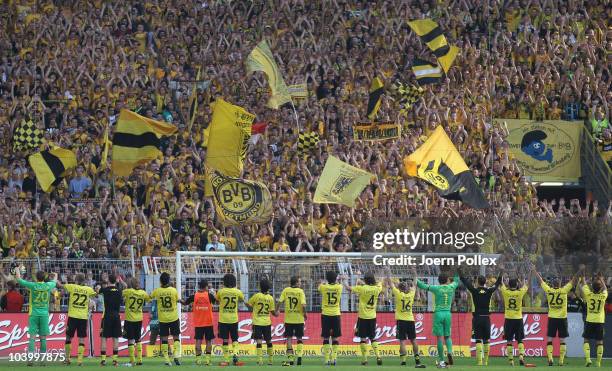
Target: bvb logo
[[341, 183], [436, 179], [236, 197]]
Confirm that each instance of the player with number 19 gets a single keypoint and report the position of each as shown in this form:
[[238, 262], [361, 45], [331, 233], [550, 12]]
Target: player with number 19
[[294, 300]]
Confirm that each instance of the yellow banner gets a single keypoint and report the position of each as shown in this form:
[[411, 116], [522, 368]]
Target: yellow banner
[[311, 350], [340, 183], [547, 151], [240, 201], [378, 131]]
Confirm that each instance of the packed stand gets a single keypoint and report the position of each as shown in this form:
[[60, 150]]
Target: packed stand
[[69, 67]]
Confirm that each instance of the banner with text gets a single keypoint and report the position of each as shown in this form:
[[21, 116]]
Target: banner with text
[[14, 334], [377, 131], [547, 151]]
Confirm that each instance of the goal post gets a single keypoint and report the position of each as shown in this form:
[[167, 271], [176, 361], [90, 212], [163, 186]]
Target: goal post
[[279, 267]]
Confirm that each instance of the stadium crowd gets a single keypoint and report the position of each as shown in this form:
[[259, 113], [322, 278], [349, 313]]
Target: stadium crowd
[[69, 67]]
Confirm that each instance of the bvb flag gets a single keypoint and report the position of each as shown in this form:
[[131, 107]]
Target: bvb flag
[[377, 89], [50, 166], [432, 35], [136, 141], [261, 59], [228, 136], [27, 136], [438, 162], [425, 72], [340, 183], [240, 201]]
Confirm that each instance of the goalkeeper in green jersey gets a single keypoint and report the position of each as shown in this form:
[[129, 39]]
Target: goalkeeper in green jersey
[[38, 323], [443, 299]]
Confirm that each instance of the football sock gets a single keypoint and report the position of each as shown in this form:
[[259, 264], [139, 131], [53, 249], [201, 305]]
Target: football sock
[[440, 349], [549, 351], [131, 352], [562, 353], [334, 353], [521, 347], [600, 350], [364, 355], [587, 352], [479, 350]]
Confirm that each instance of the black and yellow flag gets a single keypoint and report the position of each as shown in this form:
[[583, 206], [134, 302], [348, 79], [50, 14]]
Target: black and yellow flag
[[408, 95], [438, 162], [51, 165], [27, 136], [136, 141], [377, 89], [425, 72], [240, 201], [307, 141], [432, 35]]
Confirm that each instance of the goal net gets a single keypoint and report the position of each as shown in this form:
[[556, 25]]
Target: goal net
[[188, 267]]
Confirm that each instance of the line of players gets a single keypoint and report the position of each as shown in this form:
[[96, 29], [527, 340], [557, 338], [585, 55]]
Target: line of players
[[263, 306]]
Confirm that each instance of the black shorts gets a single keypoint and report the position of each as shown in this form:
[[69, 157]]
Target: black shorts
[[111, 326], [330, 326], [514, 330], [206, 332], [77, 325], [366, 328], [594, 331], [294, 329], [132, 330], [228, 330], [405, 330], [170, 328], [481, 328], [262, 332], [557, 327]]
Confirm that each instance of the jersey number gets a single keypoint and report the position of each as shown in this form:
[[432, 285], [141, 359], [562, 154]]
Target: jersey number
[[332, 298], [264, 309], [41, 296], [166, 302], [512, 303], [555, 298], [406, 305], [371, 301], [79, 300], [593, 308], [230, 303], [293, 302], [136, 304]]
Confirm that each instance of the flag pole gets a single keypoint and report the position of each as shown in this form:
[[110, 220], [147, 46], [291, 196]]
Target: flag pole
[[297, 121]]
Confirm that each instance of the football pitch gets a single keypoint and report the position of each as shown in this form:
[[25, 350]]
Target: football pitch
[[312, 363]]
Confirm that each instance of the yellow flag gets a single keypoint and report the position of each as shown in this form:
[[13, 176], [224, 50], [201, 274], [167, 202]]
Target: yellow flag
[[136, 141], [228, 137], [340, 183], [438, 162], [240, 201], [51, 165], [446, 61], [261, 59], [104, 159]]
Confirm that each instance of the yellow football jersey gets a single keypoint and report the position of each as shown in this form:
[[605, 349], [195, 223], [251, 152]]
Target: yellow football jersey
[[78, 300], [330, 299], [557, 300], [134, 301], [228, 299], [368, 300], [513, 302], [167, 299], [403, 304], [263, 306], [595, 304], [294, 300]]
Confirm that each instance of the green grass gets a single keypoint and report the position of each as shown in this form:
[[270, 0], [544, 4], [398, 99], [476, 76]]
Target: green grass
[[344, 364]]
